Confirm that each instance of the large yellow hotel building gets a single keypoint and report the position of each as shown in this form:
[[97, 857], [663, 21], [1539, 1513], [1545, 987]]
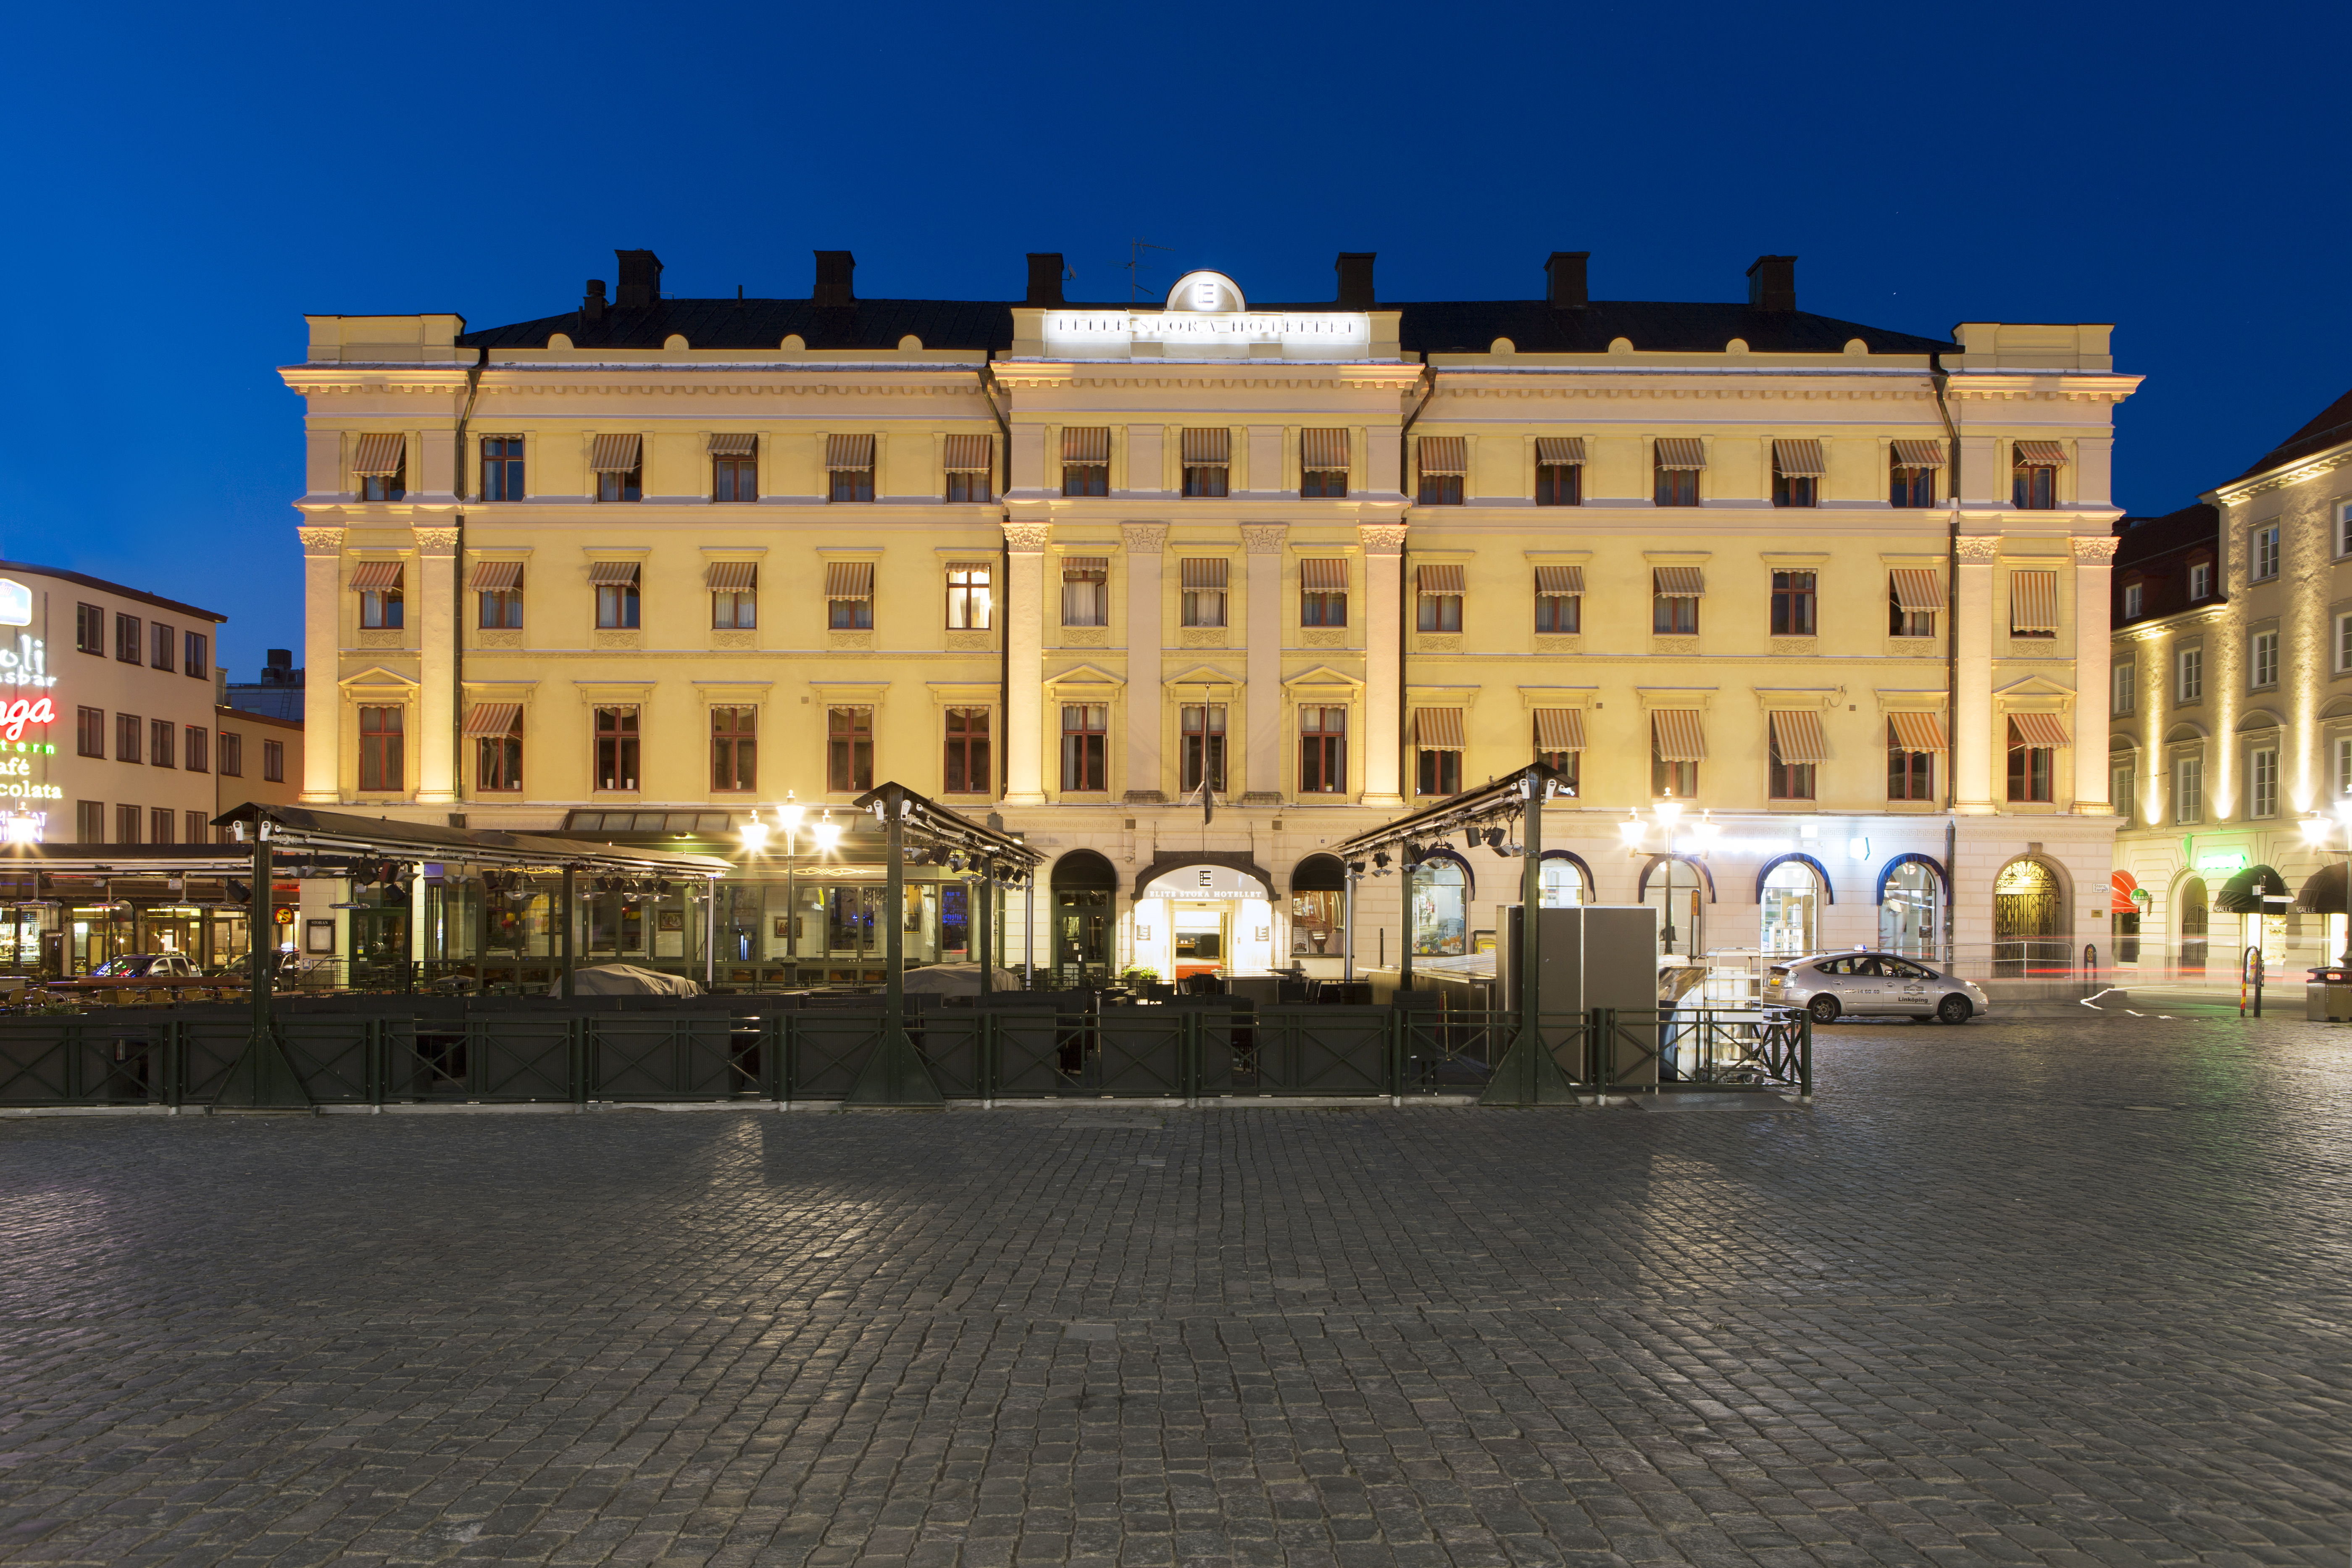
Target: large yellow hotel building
[[652, 565]]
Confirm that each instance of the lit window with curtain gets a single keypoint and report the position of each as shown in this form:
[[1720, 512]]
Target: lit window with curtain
[[1444, 465], [1560, 471], [734, 589], [1911, 466], [1678, 746], [382, 764], [1323, 464], [1086, 590], [849, 596], [618, 463], [734, 749], [1086, 746], [1675, 464], [970, 605], [734, 468], [1202, 581], [2033, 474], [496, 730], [497, 587], [1085, 461], [617, 740], [969, 462], [849, 748], [1798, 468], [1438, 593], [1208, 459]]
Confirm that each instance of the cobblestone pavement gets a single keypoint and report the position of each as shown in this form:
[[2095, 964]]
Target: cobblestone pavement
[[2065, 1292]]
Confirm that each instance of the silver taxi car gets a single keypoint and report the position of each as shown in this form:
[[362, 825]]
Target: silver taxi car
[[1832, 984]]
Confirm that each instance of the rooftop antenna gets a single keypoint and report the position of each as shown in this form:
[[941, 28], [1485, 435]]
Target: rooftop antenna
[[1135, 263]]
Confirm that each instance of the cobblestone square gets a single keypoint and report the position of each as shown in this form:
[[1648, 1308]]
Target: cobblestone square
[[2030, 1292]]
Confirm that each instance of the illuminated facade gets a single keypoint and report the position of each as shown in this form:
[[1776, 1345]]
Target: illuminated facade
[[657, 562]]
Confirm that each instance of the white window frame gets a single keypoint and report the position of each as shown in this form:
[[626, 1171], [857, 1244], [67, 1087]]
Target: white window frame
[[2265, 556], [2188, 675], [2201, 582], [2135, 596], [2339, 748], [2343, 643], [2121, 779], [2344, 528], [2262, 660], [2123, 688], [2261, 782], [2188, 790]]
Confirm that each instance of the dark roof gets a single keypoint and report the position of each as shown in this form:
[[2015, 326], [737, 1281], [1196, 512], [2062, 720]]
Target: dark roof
[[1445, 326], [2331, 426], [102, 584], [2154, 551]]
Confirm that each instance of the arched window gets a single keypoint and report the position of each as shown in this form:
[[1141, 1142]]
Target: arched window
[[1319, 895], [1084, 884], [1564, 885], [2028, 921], [1911, 910], [1441, 908], [2196, 907], [1677, 890], [1792, 904]]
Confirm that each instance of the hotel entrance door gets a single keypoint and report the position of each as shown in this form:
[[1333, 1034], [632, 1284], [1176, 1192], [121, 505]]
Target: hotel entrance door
[[1201, 939]]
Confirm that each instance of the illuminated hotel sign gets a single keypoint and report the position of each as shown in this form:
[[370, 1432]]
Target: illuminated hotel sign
[[1207, 316], [1205, 884], [26, 663]]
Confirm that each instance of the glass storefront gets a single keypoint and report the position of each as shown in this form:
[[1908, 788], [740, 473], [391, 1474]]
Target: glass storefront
[[1910, 912], [1563, 884], [1678, 893], [1792, 896], [1440, 906]]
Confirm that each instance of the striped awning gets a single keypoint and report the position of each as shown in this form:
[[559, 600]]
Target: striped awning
[[1445, 455], [848, 452], [1676, 735], [2040, 730], [1198, 574], [1796, 735], [849, 579], [969, 454], [1438, 582], [1799, 459], [379, 454], [494, 719], [1560, 451], [2033, 601], [495, 574], [1210, 448], [1678, 582], [1680, 452], [1324, 451], [2040, 455], [1918, 454], [1438, 728], [1323, 576], [612, 574], [1085, 568], [1559, 729], [732, 576], [2121, 886], [615, 454], [1917, 589], [734, 445], [1560, 582], [1922, 732], [1087, 444], [376, 575]]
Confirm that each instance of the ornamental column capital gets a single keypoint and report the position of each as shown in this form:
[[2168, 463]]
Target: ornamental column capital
[[2097, 550], [320, 541], [1264, 538], [436, 540], [1143, 538], [1028, 538], [1382, 538], [1978, 548]]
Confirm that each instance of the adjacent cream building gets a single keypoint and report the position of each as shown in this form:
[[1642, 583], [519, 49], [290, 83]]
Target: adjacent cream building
[[643, 567]]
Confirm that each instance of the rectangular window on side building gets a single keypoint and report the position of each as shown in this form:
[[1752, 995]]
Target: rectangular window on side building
[[734, 749], [1793, 602], [2201, 581], [2121, 781], [382, 765], [90, 822], [129, 737], [1086, 746], [163, 645], [965, 766], [90, 731], [232, 755], [2030, 768], [163, 826], [89, 629], [2266, 552], [617, 742], [128, 632], [502, 467], [196, 654], [2124, 680], [2262, 783], [127, 824], [195, 749], [199, 827], [273, 762], [2189, 685], [2189, 789], [2262, 660], [1323, 751], [849, 748], [2134, 599], [970, 601]]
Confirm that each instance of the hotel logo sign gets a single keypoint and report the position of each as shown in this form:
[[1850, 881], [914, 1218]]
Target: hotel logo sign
[[1205, 314]]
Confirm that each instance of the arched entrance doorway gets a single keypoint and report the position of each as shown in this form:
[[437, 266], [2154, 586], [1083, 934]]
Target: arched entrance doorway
[[1319, 906], [1084, 884], [1911, 909], [1678, 890], [2196, 910], [1791, 896], [1565, 881], [2029, 920], [1442, 890]]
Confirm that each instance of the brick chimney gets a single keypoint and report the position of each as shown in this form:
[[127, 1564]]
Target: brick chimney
[[1044, 278], [1564, 274], [1772, 284], [640, 281], [832, 273], [1355, 270]]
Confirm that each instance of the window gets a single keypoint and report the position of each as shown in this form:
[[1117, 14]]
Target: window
[[1913, 595], [734, 748], [126, 824], [2120, 778], [969, 602], [127, 645], [379, 585], [1086, 758], [1560, 600], [734, 468], [2344, 528], [1322, 751], [1203, 585], [1792, 604], [2124, 688], [195, 655], [163, 826], [1086, 590], [1439, 740], [502, 467], [849, 596], [1202, 757], [198, 822], [1085, 461], [1678, 746], [615, 583], [1559, 742], [1323, 593], [2188, 789], [1323, 463], [2266, 553], [163, 643], [966, 772], [1445, 464], [1911, 756], [90, 731], [382, 766], [2034, 476], [195, 750], [2262, 784], [2189, 686], [273, 762], [1675, 594], [1439, 599], [734, 588], [2201, 581], [129, 737], [617, 748], [89, 629], [1676, 463], [232, 755], [2340, 752], [498, 594], [849, 748], [618, 463], [392, 486], [90, 821], [496, 730], [1560, 471], [2134, 600], [2030, 764], [1911, 473], [380, 463], [1208, 454], [2262, 660], [2343, 644], [1794, 748], [2033, 603], [1797, 470], [970, 462]]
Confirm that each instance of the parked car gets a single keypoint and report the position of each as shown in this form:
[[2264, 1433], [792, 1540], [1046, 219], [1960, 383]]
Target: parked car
[[1830, 984], [146, 966]]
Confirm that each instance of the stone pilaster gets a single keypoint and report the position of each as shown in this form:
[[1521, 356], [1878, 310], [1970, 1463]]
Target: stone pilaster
[[436, 620], [1024, 644], [1264, 541], [1143, 636], [1972, 717], [1383, 639], [322, 659], [2095, 559]]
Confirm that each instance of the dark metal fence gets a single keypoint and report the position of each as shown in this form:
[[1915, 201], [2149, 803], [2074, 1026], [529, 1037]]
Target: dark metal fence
[[373, 1051]]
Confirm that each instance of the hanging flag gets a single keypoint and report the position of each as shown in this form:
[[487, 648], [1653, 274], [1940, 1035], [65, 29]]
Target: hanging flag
[[1208, 803]]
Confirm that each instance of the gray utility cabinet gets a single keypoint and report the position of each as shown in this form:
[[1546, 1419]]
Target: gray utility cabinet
[[1594, 955]]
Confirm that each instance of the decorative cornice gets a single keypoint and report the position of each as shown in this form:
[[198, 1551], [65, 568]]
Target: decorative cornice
[[1264, 538], [1028, 538], [2279, 480], [436, 541], [1143, 538], [1978, 548], [321, 541], [1382, 538], [2097, 550]]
